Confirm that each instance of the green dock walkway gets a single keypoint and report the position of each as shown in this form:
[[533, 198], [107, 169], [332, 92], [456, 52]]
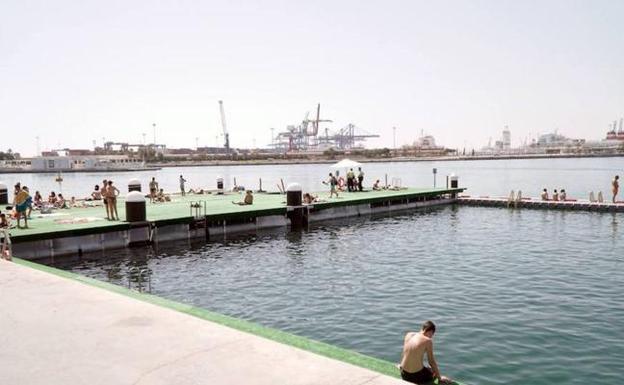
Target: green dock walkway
[[89, 220]]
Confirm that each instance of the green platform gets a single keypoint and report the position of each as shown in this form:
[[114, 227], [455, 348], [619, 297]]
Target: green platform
[[91, 220]]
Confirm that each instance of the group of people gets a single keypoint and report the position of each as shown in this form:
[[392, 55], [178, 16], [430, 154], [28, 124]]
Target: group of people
[[24, 204], [562, 196], [157, 194], [353, 182], [556, 196]]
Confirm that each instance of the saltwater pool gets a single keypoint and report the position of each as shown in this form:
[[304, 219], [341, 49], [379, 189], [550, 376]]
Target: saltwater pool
[[519, 296]]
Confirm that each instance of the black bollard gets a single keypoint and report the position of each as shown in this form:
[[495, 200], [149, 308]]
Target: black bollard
[[294, 207], [454, 184], [135, 207], [4, 194]]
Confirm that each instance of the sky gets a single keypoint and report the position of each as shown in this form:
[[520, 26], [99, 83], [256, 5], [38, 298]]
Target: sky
[[72, 72]]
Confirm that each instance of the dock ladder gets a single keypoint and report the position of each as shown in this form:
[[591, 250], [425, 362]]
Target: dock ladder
[[140, 276], [198, 209], [6, 249]]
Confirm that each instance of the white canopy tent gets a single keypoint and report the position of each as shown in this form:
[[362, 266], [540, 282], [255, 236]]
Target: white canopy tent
[[346, 163]]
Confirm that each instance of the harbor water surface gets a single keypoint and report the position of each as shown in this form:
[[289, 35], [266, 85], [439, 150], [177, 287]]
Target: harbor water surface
[[519, 296]]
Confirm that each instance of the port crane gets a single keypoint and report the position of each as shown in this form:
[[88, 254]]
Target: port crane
[[226, 136]]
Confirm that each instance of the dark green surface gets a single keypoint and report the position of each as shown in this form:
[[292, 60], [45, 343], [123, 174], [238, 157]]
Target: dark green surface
[[218, 207]]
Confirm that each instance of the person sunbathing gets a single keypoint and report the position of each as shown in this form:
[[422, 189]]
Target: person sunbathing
[[38, 200], [61, 203], [96, 195], [4, 222], [162, 197], [52, 199], [309, 198], [248, 199]]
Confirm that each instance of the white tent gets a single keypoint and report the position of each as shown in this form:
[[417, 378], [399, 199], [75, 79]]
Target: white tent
[[346, 163]]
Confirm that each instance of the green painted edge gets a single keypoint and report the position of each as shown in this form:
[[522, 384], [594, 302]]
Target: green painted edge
[[320, 348]]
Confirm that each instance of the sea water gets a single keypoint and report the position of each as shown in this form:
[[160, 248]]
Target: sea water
[[518, 296]]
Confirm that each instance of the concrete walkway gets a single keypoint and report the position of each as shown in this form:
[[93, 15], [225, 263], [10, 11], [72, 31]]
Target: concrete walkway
[[55, 330]]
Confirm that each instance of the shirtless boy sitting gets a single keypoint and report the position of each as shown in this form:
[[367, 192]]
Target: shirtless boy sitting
[[414, 348]]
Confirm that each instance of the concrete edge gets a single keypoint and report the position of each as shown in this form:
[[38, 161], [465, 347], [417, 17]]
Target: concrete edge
[[317, 347]]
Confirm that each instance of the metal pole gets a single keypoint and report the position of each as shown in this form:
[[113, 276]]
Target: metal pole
[[154, 127], [394, 138]]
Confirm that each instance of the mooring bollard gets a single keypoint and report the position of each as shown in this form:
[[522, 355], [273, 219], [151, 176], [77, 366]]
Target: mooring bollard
[[294, 207], [4, 194], [134, 185], [454, 184], [220, 185], [135, 207]]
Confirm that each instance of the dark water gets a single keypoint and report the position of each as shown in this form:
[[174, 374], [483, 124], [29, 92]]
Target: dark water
[[488, 177], [519, 297]]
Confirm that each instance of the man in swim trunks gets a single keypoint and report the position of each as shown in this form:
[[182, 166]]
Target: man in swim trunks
[[414, 348], [182, 181], [615, 187], [153, 186], [332, 182]]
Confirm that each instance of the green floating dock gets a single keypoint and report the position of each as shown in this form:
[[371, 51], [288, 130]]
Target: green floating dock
[[85, 229]]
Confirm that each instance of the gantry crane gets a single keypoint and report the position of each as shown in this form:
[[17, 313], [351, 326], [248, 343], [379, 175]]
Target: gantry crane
[[225, 133]]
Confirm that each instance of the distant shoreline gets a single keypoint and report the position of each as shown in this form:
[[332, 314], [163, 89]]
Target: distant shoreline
[[377, 160], [268, 162], [73, 171]]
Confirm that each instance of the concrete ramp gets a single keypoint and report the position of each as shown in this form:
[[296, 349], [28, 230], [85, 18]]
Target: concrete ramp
[[57, 330]]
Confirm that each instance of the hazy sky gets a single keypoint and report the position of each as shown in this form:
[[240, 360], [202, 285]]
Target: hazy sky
[[76, 71]]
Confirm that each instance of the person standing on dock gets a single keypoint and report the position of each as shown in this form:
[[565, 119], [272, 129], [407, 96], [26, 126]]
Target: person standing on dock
[[103, 192], [415, 346], [182, 181], [615, 187], [153, 187], [332, 182], [111, 197], [360, 179], [23, 202], [350, 180]]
